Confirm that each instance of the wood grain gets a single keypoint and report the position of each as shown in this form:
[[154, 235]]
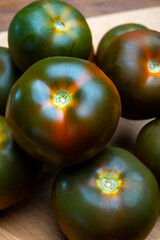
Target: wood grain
[[88, 7], [33, 219]]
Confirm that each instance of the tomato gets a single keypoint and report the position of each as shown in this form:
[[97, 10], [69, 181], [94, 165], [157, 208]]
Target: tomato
[[19, 174], [147, 147], [48, 28], [63, 110], [91, 56], [111, 35], [132, 62], [113, 196], [8, 76]]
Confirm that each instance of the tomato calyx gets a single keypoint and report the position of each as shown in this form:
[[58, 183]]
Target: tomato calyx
[[60, 25], [109, 183], [61, 98], [153, 66]]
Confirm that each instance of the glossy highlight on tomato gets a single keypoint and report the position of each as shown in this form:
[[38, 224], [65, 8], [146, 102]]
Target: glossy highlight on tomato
[[48, 28], [111, 35], [19, 174], [147, 147], [9, 74], [132, 62], [63, 110], [112, 196]]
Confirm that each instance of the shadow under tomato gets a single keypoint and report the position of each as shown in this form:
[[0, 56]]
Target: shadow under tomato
[[126, 133]]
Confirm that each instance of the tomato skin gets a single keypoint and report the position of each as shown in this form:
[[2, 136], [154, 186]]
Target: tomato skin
[[33, 34], [111, 35], [19, 174], [71, 134], [8, 76], [91, 57], [147, 147], [126, 64], [83, 211]]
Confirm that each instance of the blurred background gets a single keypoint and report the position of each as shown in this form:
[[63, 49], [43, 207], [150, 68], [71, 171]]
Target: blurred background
[[89, 8]]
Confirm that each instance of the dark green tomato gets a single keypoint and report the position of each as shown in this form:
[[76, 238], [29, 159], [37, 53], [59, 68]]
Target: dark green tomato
[[113, 196], [111, 35], [132, 62], [19, 174], [63, 110], [147, 147], [8, 76], [48, 28]]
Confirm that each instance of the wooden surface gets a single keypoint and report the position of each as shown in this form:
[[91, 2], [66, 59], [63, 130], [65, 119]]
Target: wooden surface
[[89, 8], [33, 219]]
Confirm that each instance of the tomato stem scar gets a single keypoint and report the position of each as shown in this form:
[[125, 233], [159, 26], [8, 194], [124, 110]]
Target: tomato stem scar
[[60, 25], [109, 183], [153, 65], [61, 98]]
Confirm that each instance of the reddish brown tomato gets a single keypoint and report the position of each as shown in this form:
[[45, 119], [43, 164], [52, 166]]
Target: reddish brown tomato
[[111, 35], [19, 174], [113, 196], [48, 28], [63, 110], [132, 62]]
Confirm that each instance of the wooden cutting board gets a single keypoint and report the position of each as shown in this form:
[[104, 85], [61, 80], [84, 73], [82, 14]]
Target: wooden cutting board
[[33, 219]]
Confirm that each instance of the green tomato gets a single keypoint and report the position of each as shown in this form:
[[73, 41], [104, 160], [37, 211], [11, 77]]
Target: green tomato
[[48, 28], [19, 174], [8, 76], [112, 196], [147, 147]]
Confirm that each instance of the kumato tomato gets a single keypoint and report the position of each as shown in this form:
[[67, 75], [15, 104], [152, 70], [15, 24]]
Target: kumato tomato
[[147, 147], [48, 28], [132, 62], [9, 74], [91, 56], [111, 35], [19, 174], [113, 196], [63, 110]]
